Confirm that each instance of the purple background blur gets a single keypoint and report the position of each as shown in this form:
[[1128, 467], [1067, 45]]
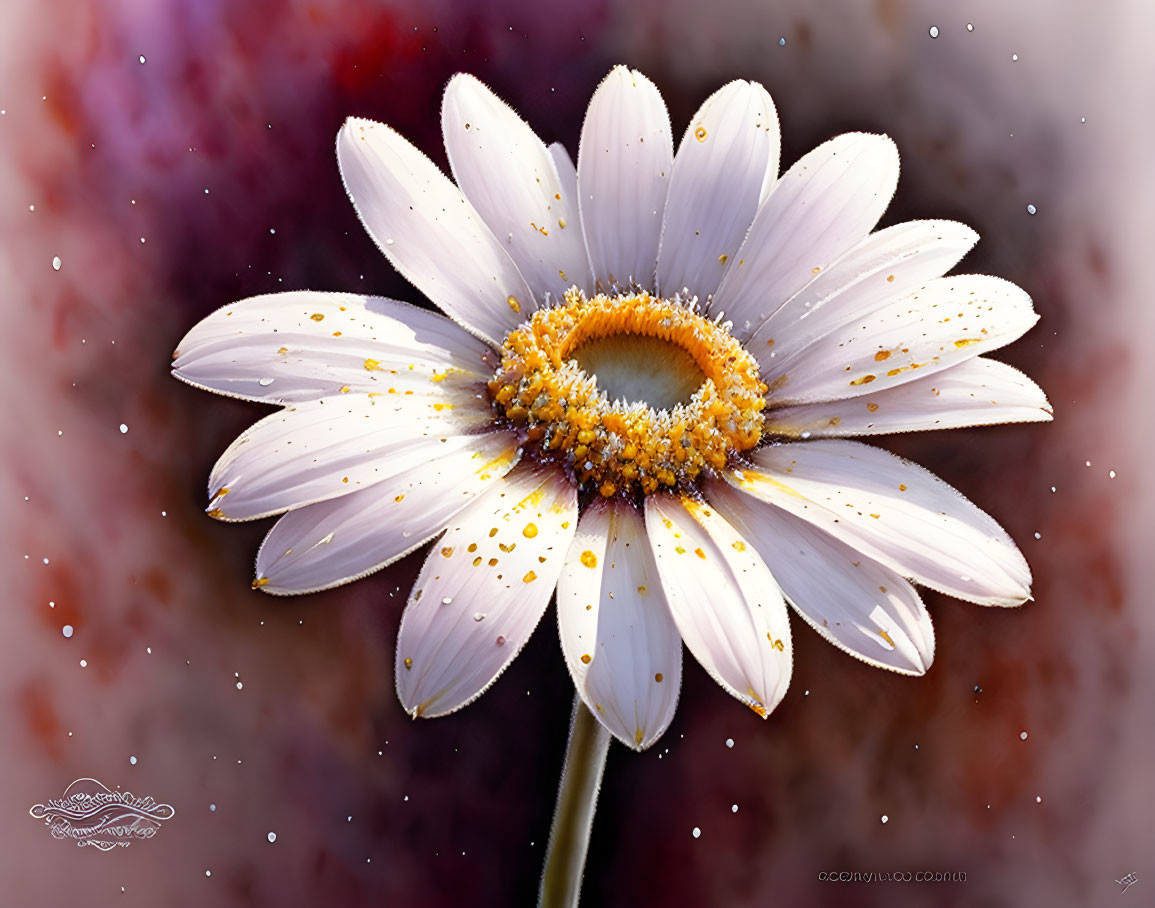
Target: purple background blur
[[179, 155]]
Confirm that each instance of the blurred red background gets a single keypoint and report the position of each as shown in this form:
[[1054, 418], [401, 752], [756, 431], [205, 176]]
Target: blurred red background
[[179, 155]]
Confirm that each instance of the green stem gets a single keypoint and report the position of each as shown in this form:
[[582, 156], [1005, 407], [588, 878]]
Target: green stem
[[577, 797]]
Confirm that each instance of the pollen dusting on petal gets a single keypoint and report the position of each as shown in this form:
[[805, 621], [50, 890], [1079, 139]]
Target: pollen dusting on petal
[[589, 559], [632, 393]]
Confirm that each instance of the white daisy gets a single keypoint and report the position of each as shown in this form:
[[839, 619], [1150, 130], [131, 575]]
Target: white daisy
[[639, 399]]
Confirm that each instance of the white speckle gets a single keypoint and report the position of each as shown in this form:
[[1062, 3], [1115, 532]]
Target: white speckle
[[806, 694], [148, 649], [67, 630], [123, 428], [1038, 799], [1014, 58], [213, 808], [970, 28], [1111, 475], [1087, 462], [733, 808], [164, 513], [31, 207], [56, 263], [46, 561], [1038, 535], [208, 873], [84, 663], [272, 837], [885, 818], [132, 761], [240, 685], [729, 742], [447, 600], [1052, 490], [1082, 119], [406, 798], [272, 230], [142, 239], [264, 382], [934, 31], [1031, 209], [697, 833], [1023, 735], [389, 241]]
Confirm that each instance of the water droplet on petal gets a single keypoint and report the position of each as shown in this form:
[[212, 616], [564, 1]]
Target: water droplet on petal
[[265, 382]]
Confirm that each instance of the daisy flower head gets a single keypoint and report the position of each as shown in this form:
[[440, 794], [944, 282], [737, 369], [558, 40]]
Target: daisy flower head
[[639, 396]]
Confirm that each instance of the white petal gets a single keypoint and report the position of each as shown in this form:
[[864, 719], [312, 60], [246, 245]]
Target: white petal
[[729, 152], [428, 230], [882, 267], [508, 175], [324, 449], [484, 587], [337, 541], [946, 322], [621, 646], [624, 165], [725, 603], [566, 172], [820, 208], [895, 512], [859, 605], [978, 392], [301, 345]]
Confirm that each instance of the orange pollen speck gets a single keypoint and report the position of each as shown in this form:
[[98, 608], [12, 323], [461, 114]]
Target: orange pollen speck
[[629, 445]]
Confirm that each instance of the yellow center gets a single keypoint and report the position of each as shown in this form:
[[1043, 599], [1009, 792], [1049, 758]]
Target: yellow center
[[631, 392]]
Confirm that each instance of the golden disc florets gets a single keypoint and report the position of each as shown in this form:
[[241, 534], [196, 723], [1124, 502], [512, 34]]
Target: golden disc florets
[[626, 445]]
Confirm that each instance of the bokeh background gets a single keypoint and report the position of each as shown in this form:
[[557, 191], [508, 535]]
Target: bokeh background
[[178, 154]]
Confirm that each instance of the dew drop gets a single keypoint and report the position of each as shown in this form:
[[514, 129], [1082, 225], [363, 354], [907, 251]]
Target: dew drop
[[729, 742], [479, 616], [447, 600], [132, 761], [733, 808], [56, 263], [885, 818], [142, 59], [213, 808], [934, 31], [697, 833], [123, 428], [781, 42], [1031, 209], [67, 630], [1014, 58], [272, 837], [264, 382], [1023, 736], [970, 27]]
